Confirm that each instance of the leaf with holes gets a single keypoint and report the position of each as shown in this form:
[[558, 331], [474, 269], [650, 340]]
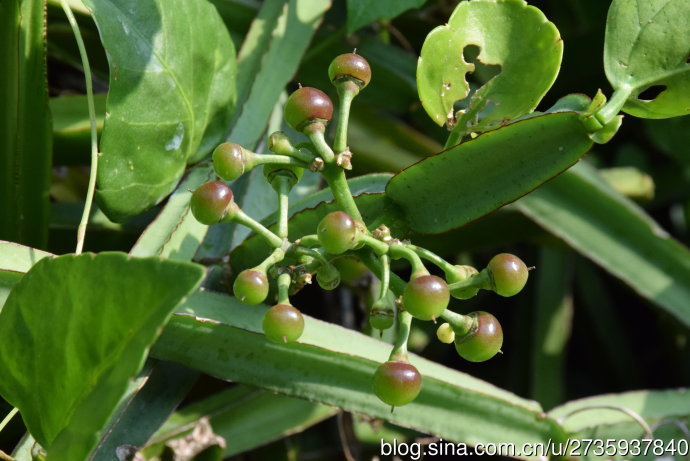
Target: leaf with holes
[[646, 56], [509, 34], [170, 99]]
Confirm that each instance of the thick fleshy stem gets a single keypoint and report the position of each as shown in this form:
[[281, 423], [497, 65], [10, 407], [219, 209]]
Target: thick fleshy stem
[[81, 230], [481, 280], [614, 105], [315, 133], [347, 90], [274, 258], [243, 218], [398, 250], [461, 324], [335, 177], [402, 334], [283, 189], [284, 281], [432, 257]]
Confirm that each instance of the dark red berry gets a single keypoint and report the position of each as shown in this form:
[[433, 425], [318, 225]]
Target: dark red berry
[[337, 232], [426, 297], [397, 383], [508, 274], [251, 286], [228, 161], [307, 105], [483, 341], [350, 65], [283, 323], [210, 202]]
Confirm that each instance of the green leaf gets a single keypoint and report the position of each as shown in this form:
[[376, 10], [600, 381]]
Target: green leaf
[[72, 128], [612, 231], [172, 92], [362, 12], [509, 34], [8, 279], [19, 258], [75, 330], [247, 416], [25, 133], [333, 365], [478, 176], [646, 46]]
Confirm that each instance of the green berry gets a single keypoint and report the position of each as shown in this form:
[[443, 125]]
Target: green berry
[[229, 161], [508, 274], [328, 277], [307, 105], [445, 333], [381, 317], [397, 383], [484, 339], [210, 202], [461, 274], [251, 286], [283, 323], [426, 297], [352, 66], [337, 232]]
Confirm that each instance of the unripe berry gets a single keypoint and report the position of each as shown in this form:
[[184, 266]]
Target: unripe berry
[[337, 232], [251, 286], [397, 383], [483, 341], [350, 65], [508, 274], [210, 202], [283, 323], [307, 105], [381, 317], [426, 297], [445, 333], [229, 161]]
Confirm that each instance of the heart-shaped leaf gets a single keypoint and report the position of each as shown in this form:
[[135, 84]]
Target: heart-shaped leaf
[[646, 55], [172, 92], [510, 34], [74, 331]]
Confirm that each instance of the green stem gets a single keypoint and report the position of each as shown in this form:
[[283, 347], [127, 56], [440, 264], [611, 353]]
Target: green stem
[[461, 324], [397, 285], [243, 218], [283, 190], [402, 334], [310, 240], [81, 230], [399, 250], [319, 142], [273, 259], [379, 247], [335, 177], [347, 90], [385, 276], [614, 105], [8, 418], [284, 280], [316, 254], [481, 280], [274, 159], [442, 264]]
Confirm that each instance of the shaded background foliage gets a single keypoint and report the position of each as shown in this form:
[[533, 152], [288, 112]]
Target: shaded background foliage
[[575, 330]]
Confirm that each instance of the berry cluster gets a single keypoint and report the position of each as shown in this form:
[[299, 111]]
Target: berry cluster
[[342, 238]]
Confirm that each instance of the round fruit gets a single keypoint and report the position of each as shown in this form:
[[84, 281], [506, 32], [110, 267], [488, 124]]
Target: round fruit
[[251, 286], [307, 105], [461, 274], [483, 341], [337, 232], [350, 65], [210, 202], [426, 297], [397, 383], [445, 333], [381, 317], [508, 274], [283, 323], [228, 161]]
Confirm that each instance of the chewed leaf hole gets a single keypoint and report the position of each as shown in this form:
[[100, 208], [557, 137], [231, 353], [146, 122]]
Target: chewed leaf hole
[[651, 93], [482, 72]]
